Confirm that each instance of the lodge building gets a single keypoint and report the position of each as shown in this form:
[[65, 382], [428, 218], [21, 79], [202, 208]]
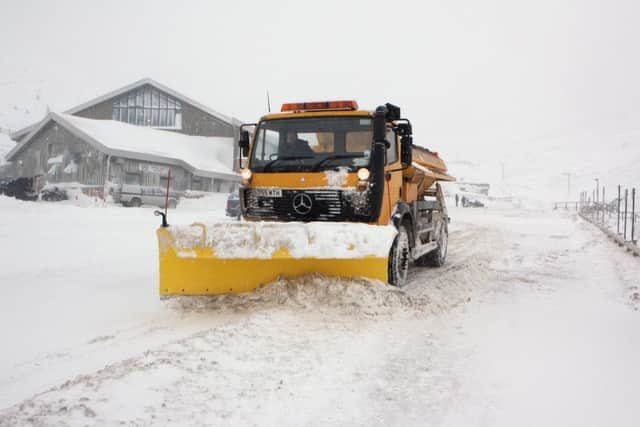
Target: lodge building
[[133, 135]]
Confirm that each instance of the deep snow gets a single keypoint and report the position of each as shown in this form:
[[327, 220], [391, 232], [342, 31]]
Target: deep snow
[[529, 323]]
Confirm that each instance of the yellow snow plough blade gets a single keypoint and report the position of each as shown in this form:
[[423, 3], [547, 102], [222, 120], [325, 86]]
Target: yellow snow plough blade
[[239, 257]]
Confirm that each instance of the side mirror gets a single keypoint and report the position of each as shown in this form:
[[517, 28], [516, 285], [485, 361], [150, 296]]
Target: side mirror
[[243, 142], [406, 151]]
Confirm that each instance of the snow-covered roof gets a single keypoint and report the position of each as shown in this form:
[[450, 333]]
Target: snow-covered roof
[[204, 156], [142, 82], [6, 145]]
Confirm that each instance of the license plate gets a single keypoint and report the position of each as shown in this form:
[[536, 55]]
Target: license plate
[[268, 192]]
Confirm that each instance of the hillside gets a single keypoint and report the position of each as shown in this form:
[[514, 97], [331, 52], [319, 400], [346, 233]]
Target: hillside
[[539, 172]]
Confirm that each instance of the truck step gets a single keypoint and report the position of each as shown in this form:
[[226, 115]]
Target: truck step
[[424, 229], [420, 250]]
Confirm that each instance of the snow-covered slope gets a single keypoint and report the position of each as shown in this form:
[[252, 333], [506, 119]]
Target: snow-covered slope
[[539, 172]]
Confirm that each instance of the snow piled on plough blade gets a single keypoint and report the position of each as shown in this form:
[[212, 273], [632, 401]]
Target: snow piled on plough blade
[[218, 258]]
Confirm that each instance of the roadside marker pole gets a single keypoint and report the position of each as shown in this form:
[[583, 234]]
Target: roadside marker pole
[[166, 200], [633, 215], [603, 205], [626, 194], [618, 222]]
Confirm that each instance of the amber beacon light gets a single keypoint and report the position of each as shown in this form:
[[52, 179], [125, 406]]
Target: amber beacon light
[[319, 106]]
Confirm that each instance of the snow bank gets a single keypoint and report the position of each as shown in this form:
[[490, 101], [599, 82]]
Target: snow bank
[[315, 293], [207, 202], [262, 239]]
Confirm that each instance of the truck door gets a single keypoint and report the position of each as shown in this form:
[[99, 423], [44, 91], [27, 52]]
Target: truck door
[[393, 178]]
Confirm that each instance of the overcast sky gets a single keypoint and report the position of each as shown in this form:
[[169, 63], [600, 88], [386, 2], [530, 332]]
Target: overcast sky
[[471, 75]]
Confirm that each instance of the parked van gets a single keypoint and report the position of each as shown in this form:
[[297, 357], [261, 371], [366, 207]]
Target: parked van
[[137, 195]]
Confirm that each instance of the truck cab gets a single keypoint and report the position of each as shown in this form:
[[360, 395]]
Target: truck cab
[[331, 161], [314, 162]]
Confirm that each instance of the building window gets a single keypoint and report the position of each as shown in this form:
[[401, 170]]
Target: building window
[[132, 178], [163, 182], [148, 107], [196, 184]]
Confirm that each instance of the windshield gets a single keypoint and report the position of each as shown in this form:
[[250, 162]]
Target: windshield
[[312, 144]]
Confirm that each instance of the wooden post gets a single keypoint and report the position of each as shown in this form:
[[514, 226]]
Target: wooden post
[[633, 215], [626, 194], [166, 201], [618, 221], [603, 205]]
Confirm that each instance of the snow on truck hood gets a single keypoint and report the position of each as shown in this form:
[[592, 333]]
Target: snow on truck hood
[[301, 240]]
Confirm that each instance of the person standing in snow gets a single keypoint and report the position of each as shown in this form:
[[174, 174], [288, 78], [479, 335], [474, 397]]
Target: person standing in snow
[[457, 199]]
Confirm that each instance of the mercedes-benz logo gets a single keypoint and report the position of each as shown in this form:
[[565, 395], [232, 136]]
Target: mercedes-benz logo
[[302, 203]]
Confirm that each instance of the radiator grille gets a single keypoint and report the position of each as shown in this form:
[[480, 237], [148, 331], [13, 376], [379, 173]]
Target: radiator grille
[[327, 205]]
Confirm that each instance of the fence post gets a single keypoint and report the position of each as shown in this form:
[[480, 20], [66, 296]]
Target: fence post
[[626, 194], [633, 215], [618, 222], [603, 205]]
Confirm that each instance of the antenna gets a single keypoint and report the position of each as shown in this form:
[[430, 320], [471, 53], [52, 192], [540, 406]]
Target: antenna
[[268, 101]]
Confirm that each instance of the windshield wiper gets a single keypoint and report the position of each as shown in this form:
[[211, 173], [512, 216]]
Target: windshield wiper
[[272, 162], [317, 165]]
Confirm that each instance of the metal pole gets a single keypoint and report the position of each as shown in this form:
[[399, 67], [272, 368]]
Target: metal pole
[[568, 174], [603, 204], [633, 215], [166, 200], [626, 193], [618, 222]]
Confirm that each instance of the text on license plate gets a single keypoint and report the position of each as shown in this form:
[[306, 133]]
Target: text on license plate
[[268, 192]]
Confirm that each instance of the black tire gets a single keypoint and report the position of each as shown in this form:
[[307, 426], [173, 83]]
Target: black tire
[[438, 256], [135, 202], [399, 257]]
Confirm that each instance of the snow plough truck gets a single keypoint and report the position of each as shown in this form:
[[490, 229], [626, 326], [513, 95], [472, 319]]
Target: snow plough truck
[[326, 188]]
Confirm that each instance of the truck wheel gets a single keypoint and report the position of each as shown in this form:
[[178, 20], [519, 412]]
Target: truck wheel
[[135, 202], [399, 258], [437, 257]]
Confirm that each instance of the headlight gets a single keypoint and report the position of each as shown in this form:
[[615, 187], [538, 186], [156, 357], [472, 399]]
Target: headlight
[[363, 174], [246, 176]]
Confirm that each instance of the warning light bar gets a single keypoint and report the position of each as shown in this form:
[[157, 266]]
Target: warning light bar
[[319, 106]]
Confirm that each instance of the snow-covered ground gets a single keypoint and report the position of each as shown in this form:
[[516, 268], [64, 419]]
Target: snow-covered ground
[[533, 321]]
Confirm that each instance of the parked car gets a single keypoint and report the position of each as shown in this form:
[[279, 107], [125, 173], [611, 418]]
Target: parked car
[[233, 205], [137, 195], [53, 194], [21, 188], [4, 183], [468, 202]]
